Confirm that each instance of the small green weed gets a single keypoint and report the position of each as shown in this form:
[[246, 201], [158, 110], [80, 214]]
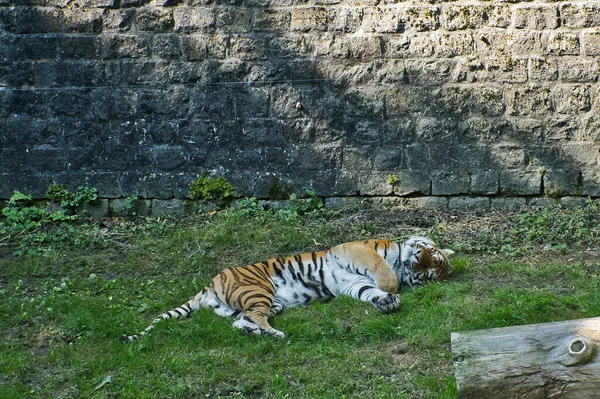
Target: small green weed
[[278, 190], [215, 189]]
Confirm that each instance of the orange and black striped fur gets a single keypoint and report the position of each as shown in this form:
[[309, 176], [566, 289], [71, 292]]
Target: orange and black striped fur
[[371, 271]]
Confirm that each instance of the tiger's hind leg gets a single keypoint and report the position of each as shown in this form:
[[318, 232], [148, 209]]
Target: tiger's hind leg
[[254, 321]]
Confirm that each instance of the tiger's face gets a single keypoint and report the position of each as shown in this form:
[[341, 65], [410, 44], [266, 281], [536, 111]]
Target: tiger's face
[[427, 261], [433, 261]]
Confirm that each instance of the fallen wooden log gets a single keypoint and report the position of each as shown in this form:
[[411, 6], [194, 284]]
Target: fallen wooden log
[[549, 360]]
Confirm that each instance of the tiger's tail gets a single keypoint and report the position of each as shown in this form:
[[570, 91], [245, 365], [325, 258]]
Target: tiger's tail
[[179, 312]]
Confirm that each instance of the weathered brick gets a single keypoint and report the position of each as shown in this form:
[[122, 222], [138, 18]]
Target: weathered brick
[[560, 182], [457, 17], [346, 19], [529, 100], [498, 15], [118, 20], [569, 99], [536, 17], [520, 182], [561, 43], [233, 20], [543, 69], [484, 182], [474, 100], [272, 20], [577, 70], [503, 69], [450, 184], [125, 46], [155, 19], [194, 19], [248, 48], [577, 16], [381, 20], [309, 19], [405, 100], [591, 43], [507, 203], [468, 203], [420, 18]]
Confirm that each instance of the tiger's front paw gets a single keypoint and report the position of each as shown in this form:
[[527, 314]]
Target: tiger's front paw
[[387, 303]]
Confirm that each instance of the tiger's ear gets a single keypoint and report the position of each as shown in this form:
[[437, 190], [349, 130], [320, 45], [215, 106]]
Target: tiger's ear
[[448, 252]]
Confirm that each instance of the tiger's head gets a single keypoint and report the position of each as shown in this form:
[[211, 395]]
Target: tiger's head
[[421, 260]]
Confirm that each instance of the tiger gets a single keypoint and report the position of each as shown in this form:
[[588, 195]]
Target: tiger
[[371, 271]]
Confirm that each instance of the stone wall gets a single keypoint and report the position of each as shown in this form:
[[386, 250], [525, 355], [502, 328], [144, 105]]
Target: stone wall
[[492, 99]]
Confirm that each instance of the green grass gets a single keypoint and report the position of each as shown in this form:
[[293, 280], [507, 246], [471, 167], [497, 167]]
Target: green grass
[[61, 314]]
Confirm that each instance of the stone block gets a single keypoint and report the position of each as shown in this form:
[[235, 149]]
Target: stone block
[[543, 69], [421, 18], [167, 46], [507, 203], [455, 44], [169, 158], [529, 100], [579, 70], [118, 20], [346, 19], [578, 16], [468, 203], [480, 99], [536, 17], [408, 100], [32, 47], [107, 184], [571, 99], [272, 20], [498, 15], [450, 184], [484, 183], [125, 46], [542, 202], [428, 202], [520, 182], [503, 69], [170, 207], [46, 158], [194, 19], [159, 186], [129, 207], [410, 182], [155, 19], [113, 104], [194, 47], [309, 19], [591, 43], [342, 202], [233, 20], [459, 17], [47, 73], [561, 43], [561, 181], [248, 48], [97, 208], [17, 74], [381, 20], [590, 182], [573, 202]]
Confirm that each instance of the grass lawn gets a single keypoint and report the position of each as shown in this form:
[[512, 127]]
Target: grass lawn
[[64, 307]]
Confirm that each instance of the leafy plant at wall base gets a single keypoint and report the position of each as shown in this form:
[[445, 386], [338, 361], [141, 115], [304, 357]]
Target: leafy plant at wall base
[[278, 190], [32, 227], [70, 200], [217, 189]]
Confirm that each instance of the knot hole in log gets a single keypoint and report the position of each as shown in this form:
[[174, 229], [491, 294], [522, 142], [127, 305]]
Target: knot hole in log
[[577, 351]]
